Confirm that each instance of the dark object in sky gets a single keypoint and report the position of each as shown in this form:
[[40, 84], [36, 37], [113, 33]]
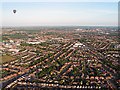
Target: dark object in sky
[[14, 11]]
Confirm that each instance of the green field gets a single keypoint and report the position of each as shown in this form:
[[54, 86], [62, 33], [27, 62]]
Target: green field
[[6, 58]]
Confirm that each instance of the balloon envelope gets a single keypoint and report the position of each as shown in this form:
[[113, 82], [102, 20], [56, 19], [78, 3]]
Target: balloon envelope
[[14, 11]]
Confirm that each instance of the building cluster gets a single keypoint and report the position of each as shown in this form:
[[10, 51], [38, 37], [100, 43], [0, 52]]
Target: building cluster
[[60, 59]]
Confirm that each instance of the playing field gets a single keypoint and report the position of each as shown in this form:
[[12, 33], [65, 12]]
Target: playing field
[[6, 58]]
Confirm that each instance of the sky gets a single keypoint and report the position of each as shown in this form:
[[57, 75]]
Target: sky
[[60, 13], [59, 0]]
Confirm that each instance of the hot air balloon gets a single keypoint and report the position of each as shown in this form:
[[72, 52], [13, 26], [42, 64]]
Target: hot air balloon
[[14, 11]]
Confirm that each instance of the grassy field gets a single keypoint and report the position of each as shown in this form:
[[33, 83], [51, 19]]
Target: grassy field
[[6, 58]]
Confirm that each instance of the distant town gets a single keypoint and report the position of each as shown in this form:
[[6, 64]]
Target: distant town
[[60, 58]]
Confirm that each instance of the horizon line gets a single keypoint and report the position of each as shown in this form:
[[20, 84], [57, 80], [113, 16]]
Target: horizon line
[[63, 26]]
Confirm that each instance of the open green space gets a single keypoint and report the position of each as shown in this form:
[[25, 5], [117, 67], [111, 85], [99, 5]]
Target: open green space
[[6, 58]]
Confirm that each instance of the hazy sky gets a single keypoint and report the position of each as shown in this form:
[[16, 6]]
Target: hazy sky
[[60, 13]]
